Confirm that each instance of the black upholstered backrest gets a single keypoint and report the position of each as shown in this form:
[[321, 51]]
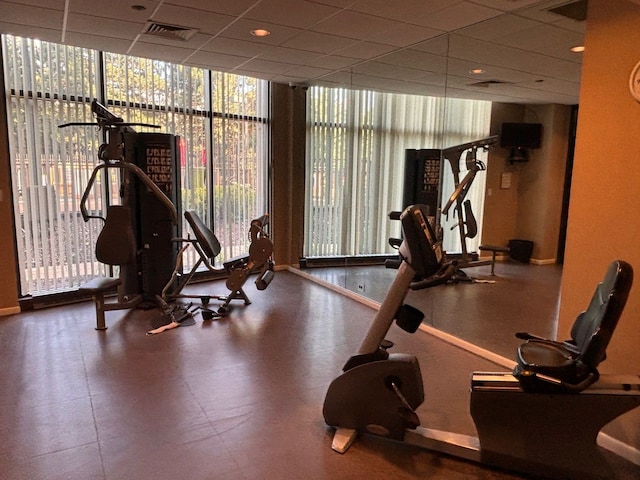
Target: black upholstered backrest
[[204, 235], [594, 327], [116, 244]]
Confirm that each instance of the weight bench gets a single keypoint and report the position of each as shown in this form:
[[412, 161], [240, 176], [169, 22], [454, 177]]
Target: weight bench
[[115, 246], [494, 251], [238, 269]]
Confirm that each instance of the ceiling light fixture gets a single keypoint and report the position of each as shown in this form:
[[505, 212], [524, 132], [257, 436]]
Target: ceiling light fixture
[[577, 49], [260, 32], [476, 71]]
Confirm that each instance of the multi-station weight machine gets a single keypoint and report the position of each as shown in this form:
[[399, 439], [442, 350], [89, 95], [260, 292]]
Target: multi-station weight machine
[[142, 235], [137, 233]]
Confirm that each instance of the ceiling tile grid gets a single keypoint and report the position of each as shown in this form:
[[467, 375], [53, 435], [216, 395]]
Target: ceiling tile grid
[[411, 46]]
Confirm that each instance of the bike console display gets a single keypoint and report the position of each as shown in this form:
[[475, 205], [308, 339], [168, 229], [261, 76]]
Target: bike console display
[[420, 247]]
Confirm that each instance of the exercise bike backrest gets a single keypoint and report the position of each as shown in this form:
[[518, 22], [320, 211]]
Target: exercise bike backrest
[[420, 247], [592, 330], [545, 365]]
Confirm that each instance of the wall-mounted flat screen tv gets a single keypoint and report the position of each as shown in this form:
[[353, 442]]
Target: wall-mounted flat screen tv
[[521, 135]]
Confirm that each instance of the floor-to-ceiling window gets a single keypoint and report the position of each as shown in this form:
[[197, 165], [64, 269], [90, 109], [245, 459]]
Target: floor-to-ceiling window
[[356, 143], [221, 120]]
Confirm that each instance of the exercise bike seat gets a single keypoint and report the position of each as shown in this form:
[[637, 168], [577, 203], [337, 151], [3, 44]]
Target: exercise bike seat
[[570, 366]]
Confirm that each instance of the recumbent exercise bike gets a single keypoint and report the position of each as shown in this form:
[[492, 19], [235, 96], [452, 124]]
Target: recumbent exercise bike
[[543, 418]]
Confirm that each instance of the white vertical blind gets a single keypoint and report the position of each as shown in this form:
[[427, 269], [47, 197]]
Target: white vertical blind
[[49, 86], [221, 119], [356, 142]]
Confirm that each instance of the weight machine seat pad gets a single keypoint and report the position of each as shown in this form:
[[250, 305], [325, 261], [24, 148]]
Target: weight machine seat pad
[[205, 236], [494, 248], [116, 243], [100, 285]]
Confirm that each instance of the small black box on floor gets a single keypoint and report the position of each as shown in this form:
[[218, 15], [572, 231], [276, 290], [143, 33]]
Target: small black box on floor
[[521, 250]]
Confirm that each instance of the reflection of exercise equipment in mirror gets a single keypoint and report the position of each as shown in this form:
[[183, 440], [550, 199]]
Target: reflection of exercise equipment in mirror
[[542, 419], [422, 183], [238, 269], [137, 234], [467, 225]]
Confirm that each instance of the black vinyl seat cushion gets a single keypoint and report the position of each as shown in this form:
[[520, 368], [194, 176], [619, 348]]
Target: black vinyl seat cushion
[[205, 236], [571, 366]]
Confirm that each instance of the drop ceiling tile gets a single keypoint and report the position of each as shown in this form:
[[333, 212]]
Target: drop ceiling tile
[[335, 62], [414, 88], [383, 70], [499, 27], [234, 8], [267, 66], [319, 42], [341, 77], [334, 3], [457, 16], [21, 30], [116, 9], [387, 28], [206, 22], [366, 50], [241, 29], [540, 36], [416, 59], [292, 13], [290, 55], [52, 4], [404, 11], [436, 46], [233, 46], [308, 72], [404, 35], [354, 25], [215, 61], [507, 5], [103, 27], [152, 50], [31, 16]]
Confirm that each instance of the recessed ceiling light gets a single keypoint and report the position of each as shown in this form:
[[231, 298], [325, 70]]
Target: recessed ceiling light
[[138, 8], [577, 49], [260, 32], [476, 71]]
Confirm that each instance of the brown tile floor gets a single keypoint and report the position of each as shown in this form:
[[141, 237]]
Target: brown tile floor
[[524, 297], [238, 398]]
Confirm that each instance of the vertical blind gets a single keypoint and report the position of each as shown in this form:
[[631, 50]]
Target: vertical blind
[[220, 119], [356, 142]]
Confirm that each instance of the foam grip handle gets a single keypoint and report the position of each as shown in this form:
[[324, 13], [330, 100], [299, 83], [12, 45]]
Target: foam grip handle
[[264, 280]]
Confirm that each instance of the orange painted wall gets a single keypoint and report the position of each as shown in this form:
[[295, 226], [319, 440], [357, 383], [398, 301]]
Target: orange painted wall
[[604, 211]]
